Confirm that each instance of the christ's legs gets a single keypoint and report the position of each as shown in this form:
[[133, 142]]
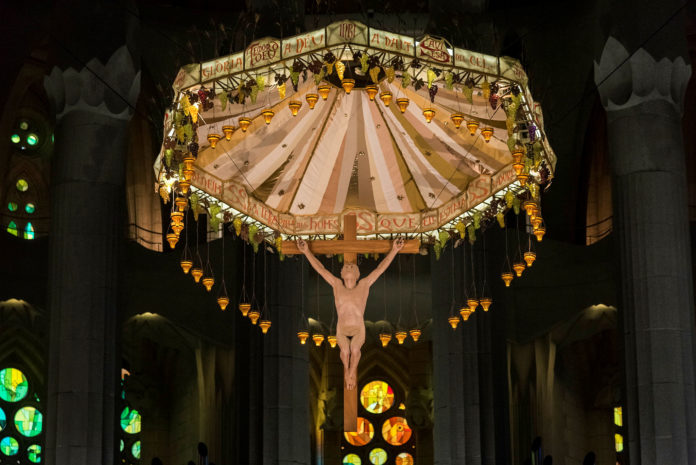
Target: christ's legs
[[344, 346], [356, 343]]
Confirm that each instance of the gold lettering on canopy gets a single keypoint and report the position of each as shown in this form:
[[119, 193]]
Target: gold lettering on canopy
[[261, 52]]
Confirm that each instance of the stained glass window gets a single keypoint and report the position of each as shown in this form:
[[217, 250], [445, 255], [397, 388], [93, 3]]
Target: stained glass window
[[28, 421], [3, 419], [22, 185], [12, 206], [404, 458], [364, 434], [396, 431], [9, 446], [352, 459], [378, 456], [13, 385], [12, 228], [122, 446], [618, 416], [15, 138], [32, 139], [130, 421], [34, 453], [377, 397], [29, 231], [135, 450], [30, 208], [618, 442]]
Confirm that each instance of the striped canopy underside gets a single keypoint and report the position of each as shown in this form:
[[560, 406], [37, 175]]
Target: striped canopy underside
[[350, 152]]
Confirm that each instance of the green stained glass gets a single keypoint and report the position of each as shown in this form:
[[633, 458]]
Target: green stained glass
[[378, 456], [9, 446], [34, 453], [3, 419], [29, 421], [12, 229], [351, 459], [29, 231], [130, 421], [32, 139], [23, 125], [22, 185], [30, 208], [12, 206], [15, 138], [13, 383], [135, 450], [122, 445]]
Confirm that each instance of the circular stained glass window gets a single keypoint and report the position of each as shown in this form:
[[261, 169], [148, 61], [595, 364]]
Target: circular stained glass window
[[364, 434], [396, 431], [12, 206], [32, 139], [13, 383], [351, 459], [29, 421], [22, 185], [23, 125], [3, 419], [135, 450], [377, 397], [404, 458], [378, 456], [30, 208], [9, 446], [130, 421], [34, 453], [15, 138]]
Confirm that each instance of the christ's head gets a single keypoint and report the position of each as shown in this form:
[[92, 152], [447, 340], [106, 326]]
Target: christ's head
[[350, 274]]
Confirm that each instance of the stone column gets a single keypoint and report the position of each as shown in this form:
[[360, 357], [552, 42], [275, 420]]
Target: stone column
[[285, 370], [87, 229], [643, 92]]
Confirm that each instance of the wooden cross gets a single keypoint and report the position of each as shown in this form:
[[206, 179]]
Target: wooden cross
[[350, 247]]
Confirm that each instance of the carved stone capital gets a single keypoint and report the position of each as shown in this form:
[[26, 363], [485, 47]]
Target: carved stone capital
[[109, 89], [625, 80]]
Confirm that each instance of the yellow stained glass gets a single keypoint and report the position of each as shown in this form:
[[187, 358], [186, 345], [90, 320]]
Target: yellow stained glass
[[618, 442], [396, 431], [377, 397], [13, 385], [378, 456], [618, 416], [364, 434], [404, 458], [351, 459]]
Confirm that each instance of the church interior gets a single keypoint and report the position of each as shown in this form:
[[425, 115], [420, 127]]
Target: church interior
[[159, 160]]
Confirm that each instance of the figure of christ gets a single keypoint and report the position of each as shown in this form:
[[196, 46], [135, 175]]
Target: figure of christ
[[350, 296]]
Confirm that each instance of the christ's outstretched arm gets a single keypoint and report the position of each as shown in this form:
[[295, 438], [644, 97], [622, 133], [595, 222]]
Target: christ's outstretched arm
[[316, 264], [382, 267]]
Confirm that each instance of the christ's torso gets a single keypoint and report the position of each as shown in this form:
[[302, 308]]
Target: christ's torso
[[350, 306]]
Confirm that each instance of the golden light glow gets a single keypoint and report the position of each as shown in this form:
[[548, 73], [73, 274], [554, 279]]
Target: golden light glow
[[312, 100], [254, 316], [189, 161], [472, 303], [324, 90], [223, 301], [208, 282], [348, 85], [539, 233], [517, 155], [371, 91], [402, 103], [453, 321], [244, 123], [264, 325], [507, 278], [244, 308], [487, 133], [268, 115], [529, 257], [429, 114], [385, 338], [519, 267], [415, 334], [457, 119], [522, 178], [465, 313], [228, 130], [318, 338], [332, 341], [400, 336], [472, 126], [197, 273], [386, 97], [186, 265], [184, 186], [294, 106], [181, 203], [213, 138], [302, 336], [486, 303], [172, 238], [188, 174]]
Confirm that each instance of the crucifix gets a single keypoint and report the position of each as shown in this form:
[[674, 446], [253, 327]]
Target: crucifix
[[350, 297]]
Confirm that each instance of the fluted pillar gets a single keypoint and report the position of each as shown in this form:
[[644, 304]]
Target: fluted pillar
[[86, 220], [642, 92]]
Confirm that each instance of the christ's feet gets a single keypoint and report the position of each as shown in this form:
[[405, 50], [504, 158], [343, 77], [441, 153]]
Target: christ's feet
[[351, 380]]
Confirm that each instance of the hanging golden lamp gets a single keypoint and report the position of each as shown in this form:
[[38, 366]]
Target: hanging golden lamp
[[530, 207], [213, 138], [348, 84], [186, 263], [536, 221], [522, 178], [385, 338], [472, 303], [244, 308], [429, 114], [386, 97], [189, 161], [519, 267], [172, 238], [228, 130], [197, 273], [465, 313], [294, 106], [402, 103], [332, 341], [312, 100], [457, 119], [318, 338], [400, 336], [453, 321], [539, 233], [324, 90], [177, 228], [415, 334], [472, 126], [486, 303], [518, 167], [529, 257], [177, 217], [181, 203], [302, 336], [208, 282], [184, 186], [264, 325], [188, 174], [371, 91], [487, 133], [517, 154], [254, 316], [223, 301], [268, 115], [506, 276], [244, 123]]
